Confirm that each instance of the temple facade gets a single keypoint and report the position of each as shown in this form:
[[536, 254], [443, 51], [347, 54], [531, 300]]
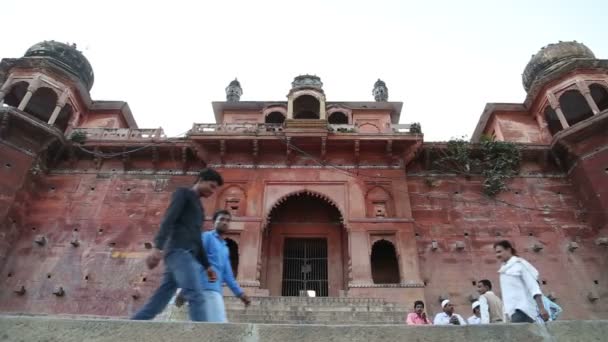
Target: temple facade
[[335, 197]]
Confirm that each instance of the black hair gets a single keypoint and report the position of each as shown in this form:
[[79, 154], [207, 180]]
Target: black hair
[[221, 212], [486, 283], [506, 245], [418, 302], [210, 175]]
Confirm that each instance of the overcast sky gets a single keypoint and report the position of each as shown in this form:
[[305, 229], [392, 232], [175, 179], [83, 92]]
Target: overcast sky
[[444, 59]]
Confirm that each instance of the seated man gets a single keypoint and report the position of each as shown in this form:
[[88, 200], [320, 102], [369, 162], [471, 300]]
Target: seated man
[[448, 316], [418, 317], [476, 318]]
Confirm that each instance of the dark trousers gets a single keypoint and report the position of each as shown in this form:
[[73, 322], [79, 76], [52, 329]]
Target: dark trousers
[[520, 317], [183, 271]]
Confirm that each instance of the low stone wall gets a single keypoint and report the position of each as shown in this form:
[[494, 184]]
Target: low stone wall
[[24, 328]]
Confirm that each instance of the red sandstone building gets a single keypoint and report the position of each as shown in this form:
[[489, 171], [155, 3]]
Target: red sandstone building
[[331, 196]]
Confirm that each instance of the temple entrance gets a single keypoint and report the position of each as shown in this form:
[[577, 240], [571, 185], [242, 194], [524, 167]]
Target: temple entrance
[[305, 267], [304, 248]]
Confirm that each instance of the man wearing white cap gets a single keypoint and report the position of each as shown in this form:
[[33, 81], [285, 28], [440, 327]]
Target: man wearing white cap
[[476, 318], [448, 316]]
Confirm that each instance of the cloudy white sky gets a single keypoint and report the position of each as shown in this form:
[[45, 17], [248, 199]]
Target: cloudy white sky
[[444, 59]]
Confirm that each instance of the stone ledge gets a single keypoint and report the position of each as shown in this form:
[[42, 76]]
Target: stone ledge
[[24, 328]]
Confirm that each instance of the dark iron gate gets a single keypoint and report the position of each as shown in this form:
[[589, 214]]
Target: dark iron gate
[[305, 266]]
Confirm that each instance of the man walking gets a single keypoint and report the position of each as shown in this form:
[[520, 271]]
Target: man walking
[[219, 257], [490, 305], [179, 243]]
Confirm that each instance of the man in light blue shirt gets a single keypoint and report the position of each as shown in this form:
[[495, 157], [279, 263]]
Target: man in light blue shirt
[[219, 258]]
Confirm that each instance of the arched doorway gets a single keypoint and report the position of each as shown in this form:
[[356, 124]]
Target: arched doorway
[[304, 248], [233, 250]]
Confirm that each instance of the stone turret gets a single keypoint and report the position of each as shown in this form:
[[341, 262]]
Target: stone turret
[[234, 91], [380, 91]]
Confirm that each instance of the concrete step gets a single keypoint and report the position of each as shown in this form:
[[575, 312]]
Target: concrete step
[[14, 329], [305, 310]]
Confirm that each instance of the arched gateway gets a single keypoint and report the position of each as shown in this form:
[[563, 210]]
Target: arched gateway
[[304, 247]]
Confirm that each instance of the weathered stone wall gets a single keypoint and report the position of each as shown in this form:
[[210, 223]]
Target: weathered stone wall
[[452, 212]]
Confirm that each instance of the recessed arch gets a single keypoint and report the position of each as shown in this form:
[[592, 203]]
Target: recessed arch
[[574, 106], [311, 193], [385, 267], [599, 95]]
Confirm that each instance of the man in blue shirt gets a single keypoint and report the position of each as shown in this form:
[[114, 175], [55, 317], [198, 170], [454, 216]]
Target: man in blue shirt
[[219, 258]]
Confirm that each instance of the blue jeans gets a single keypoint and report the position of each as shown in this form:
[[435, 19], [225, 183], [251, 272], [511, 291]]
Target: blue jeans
[[184, 271], [215, 311]]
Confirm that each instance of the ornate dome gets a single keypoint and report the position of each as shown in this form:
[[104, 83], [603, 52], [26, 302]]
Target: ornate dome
[[67, 57], [551, 57], [307, 81]]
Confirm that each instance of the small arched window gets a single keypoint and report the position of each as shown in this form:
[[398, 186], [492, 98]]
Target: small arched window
[[306, 107], [575, 107], [385, 267], [337, 118], [599, 95], [233, 249], [274, 118]]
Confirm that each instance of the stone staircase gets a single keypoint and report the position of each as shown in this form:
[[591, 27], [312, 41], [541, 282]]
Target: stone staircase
[[306, 310]]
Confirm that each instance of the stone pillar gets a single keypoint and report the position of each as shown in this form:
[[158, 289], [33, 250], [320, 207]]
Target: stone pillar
[[359, 253], [322, 110], [584, 89], [60, 104], [290, 107], [4, 90], [30, 91], [558, 111]]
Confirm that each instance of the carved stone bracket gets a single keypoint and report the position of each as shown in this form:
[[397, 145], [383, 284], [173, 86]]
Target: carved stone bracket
[[389, 152], [97, 159], [357, 150], [155, 158], [125, 159], [4, 124], [288, 154], [323, 148], [184, 158], [255, 151], [223, 151]]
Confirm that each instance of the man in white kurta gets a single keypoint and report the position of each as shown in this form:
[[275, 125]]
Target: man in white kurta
[[520, 290], [448, 316]]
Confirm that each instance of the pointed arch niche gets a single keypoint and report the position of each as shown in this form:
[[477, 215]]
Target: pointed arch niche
[[379, 203]]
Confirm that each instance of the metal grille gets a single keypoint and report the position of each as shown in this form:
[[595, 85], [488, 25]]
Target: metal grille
[[305, 267]]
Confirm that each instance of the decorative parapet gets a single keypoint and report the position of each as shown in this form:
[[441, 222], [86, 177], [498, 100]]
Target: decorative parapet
[[121, 133], [198, 129]]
